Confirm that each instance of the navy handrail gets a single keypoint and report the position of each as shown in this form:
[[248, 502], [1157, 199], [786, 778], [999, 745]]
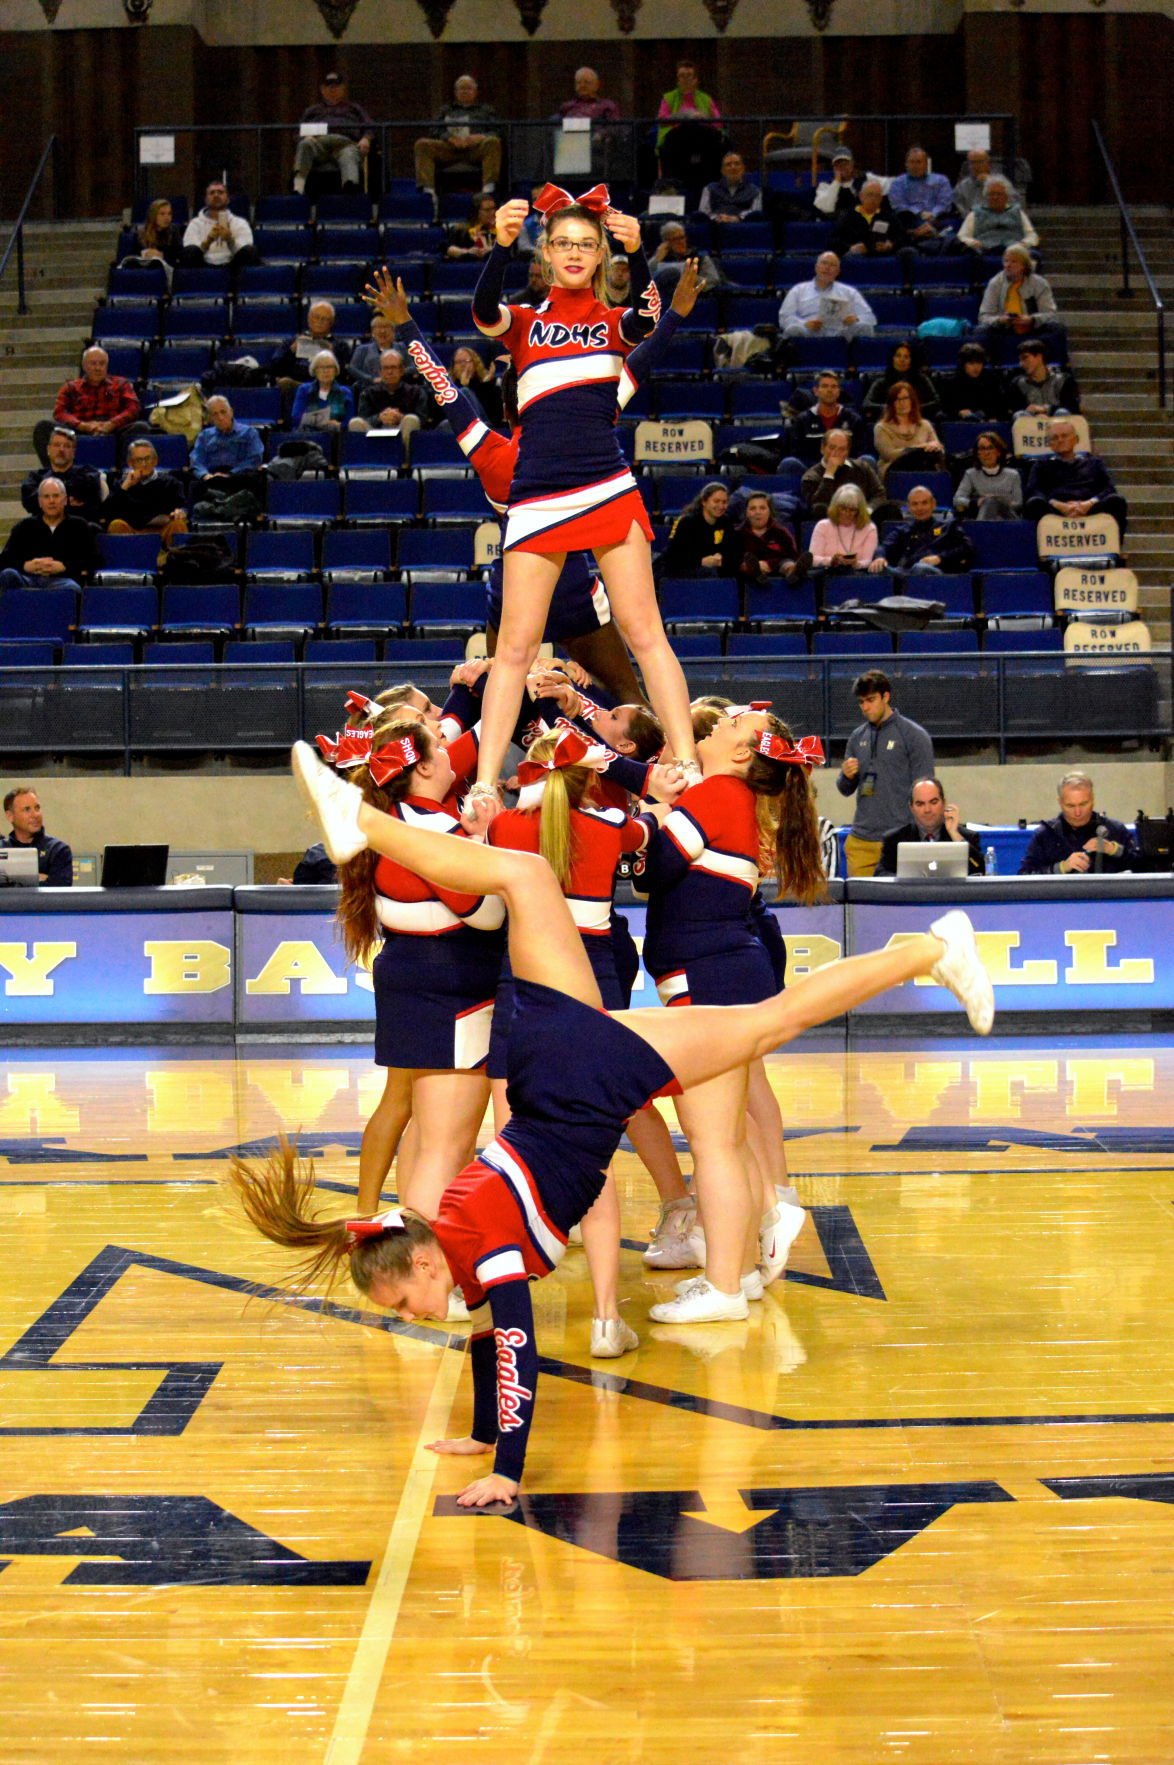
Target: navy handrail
[[17, 240], [1129, 237]]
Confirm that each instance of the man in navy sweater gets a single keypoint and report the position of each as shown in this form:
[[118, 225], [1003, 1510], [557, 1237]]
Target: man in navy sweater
[[927, 542], [1072, 483], [1080, 838]]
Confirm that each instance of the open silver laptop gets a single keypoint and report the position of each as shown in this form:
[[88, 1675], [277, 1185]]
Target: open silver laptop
[[932, 860], [19, 867]]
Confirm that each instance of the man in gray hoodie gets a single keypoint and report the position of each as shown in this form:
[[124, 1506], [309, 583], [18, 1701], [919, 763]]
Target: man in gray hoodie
[[884, 758]]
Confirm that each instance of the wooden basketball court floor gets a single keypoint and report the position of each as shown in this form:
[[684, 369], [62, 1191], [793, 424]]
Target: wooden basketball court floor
[[920, 1507]]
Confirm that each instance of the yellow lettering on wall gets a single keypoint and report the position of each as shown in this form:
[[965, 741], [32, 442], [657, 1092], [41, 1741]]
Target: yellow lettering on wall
[[1090, 962], [296, 959], [30, 965], [32, 1106], [998, 1084], [187, 965], [807, 952], [1091, 1077], [995, 949]]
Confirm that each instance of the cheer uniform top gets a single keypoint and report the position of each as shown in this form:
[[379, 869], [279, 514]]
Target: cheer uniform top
[[436, 972], [701, 874], [576, 1076], [571, 487], [599, 837]]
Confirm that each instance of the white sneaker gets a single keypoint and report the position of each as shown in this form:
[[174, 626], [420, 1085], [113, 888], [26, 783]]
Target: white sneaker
[[778, 1231], [458, 1312], [335, 802], [961, 969], [752, 1285], [611, 1337], [677, 1241], [701, 1303]]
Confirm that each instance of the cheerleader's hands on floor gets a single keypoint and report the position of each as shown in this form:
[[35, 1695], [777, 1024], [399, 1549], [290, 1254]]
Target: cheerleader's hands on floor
[[488, 1490]]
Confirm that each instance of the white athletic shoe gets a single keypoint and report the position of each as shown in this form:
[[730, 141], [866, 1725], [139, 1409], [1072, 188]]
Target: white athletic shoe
[[458, 1312], [778, 1231], [961, 970], [335, 802], [677, 1241], [611, 1337], [701, 1303], [752, 1285]]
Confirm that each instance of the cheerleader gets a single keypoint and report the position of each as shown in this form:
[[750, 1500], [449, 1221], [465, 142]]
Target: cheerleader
[[571, 488], [576, 1073]]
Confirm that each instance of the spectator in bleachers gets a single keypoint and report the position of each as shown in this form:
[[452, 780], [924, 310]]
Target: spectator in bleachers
[[873, 229], [461, 137], [689, 140], [159, 241], [99, 403], [997, 221], [347, 140], [363, 370], [392, 402], [927, 543], [968, 190], [931, 818], [905, 363], [217, 237], [227, 454], [473, 238], [1040, 391], [927, 199], [808, 429], [884, 755], [846, 538], [703, 541], [733, 196], [671, 256], [1017, 299], [1079, 838], [768, 547], [22, 806], [51, 549], [587, 101], [479, 381], [323, 403], [1068, 482], [990, 489], [840, 193], [837, 468], [904, 435], [825, 306], [619, 279], [537, 289], [145, 500], [291, 366], [85, 487], [974, 389]]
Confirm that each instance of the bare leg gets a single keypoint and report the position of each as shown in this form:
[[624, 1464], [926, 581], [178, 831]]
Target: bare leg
[[766, 1119], [605, 658], [713, 1116], [528, 585], [381, 1136], [648, 1131], [627, 575], [448, 1107], [601, 1241], [405, 1158]]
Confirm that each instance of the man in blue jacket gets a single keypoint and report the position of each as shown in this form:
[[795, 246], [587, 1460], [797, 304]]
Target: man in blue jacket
[[22, 806], [927, 543], [1067, 482], [1080, 839]]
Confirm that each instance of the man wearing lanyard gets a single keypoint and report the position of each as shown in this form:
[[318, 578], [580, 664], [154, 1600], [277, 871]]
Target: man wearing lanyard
[[885, 757]]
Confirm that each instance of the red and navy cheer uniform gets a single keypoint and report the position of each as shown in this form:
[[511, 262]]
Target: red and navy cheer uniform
[[599, 838], [701, 875], [572, 487], [436, 973], [576, 1076]]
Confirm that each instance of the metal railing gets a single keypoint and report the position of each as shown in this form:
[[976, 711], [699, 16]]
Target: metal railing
[[16, 243], [1129, 237]]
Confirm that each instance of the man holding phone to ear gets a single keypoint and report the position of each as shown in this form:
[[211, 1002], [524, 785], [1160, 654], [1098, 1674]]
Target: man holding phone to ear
[[885, 757]]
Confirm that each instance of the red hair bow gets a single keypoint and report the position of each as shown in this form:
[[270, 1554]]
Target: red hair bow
[[349, 748], [807, 751], [359, 702], [571, 749], [393, 758], [361, 1230], [551, 198]]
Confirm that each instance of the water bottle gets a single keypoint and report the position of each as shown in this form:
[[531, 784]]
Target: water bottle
[[992, 862]]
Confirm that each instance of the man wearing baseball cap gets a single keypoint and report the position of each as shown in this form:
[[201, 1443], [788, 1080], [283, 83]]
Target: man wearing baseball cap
[[347, 138], [838, 195]]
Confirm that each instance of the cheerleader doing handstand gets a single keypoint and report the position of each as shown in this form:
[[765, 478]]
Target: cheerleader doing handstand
[[576, 1075]]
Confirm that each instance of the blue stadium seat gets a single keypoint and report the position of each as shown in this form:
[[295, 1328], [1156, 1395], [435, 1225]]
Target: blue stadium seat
[[713, 602], [282, 211], [1017, 594], [29, 655], [172, 451], [673, 491], [1007, 638], [339, 651], [757, 398], [203, 321], [852, 643], [206, 283], [955, 592], [448, 606], [179, 655], [808, 236], [351, 208], [279, 557], [808, 354], [684, 356], [455, 278], [747, 270], [941, 353], [950, 306], [931, 642], [360, 242], [128, 557], [284, 244], [379, 607], [135, 285], [435, 452], [96, 450], [742, 311], [179, 363], [264, 319], [894, 312], [213, 608], [295, 608], [249, 650], [381, 500], [761, 643], [680, 400], [899, 484], [303, 502], [866, 272], [370, 456], [943, 272], [1002, 545], [412, 650], [355, 556], [127, 611], [98, 655], [453, 500], [403, 203], [704, 317], [698, 646], [271, 284], [258, 405], [777, 602], [125, 324], [334, 281]]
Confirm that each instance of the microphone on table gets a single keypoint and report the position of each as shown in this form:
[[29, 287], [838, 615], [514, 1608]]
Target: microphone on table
[[1098, 855]]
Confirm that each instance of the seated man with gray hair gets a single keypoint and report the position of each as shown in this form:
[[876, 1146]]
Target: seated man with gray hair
[[227, 462], [997, 219], [145, 499], [51, 549], [392, 402], [1079, 839], [290, 366], [671, 255]]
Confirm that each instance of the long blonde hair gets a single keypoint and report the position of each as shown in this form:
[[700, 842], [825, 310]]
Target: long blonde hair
[[565, 789], [602, 269], [357, 919]]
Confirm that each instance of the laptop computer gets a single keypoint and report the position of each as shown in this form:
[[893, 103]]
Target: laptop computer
[[19, 867], [134, 867], [932, 860]]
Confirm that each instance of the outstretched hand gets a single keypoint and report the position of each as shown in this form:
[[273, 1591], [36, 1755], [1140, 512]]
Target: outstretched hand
[[387, 296], [689, 285], [624, 227], [509, 220]]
